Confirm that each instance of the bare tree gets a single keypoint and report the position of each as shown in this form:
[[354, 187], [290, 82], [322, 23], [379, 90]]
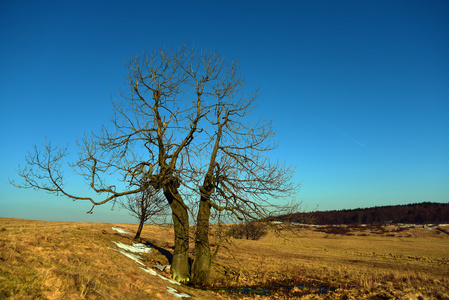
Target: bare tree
[[145, 206], [185, 128]]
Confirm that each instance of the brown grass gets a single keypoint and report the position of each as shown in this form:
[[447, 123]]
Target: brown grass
[[53, 260], [368, 266]]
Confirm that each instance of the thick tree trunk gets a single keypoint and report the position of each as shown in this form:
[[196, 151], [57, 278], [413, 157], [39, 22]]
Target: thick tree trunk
[[201, 264], [139, 230], [180, 267]]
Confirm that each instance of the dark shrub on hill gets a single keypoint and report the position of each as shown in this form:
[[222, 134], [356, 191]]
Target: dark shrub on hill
[[418, 213]]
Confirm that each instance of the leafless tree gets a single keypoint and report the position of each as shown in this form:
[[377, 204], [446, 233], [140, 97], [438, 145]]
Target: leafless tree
[[185, 127], [145, 206]]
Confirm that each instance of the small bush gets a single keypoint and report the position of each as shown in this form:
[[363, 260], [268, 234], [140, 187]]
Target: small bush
[[249, 230]]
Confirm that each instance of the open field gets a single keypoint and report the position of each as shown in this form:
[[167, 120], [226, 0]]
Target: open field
[[55, 260]]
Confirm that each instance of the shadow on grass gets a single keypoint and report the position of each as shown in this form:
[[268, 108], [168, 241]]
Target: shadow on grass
[[162, 251], [292, 291]]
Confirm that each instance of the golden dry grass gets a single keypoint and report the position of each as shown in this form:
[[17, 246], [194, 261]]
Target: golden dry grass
[[411, 264], [54, 260]]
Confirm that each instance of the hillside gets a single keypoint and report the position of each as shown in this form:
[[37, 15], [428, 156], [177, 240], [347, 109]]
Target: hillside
[[61, 260], [417, 213]]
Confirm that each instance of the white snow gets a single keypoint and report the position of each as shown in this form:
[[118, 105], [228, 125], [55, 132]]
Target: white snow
[[120, 230], [136, 258], [135, 248], [175, 293], [141, 248], [152, 272], [162, 268]]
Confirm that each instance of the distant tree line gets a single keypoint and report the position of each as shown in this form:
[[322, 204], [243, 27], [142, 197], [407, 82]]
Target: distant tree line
[[417, 213]]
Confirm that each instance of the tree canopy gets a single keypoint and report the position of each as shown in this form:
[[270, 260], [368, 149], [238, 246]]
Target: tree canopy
[[183, 126]]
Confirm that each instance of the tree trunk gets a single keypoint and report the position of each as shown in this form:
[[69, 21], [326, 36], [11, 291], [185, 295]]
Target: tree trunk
[[201, 264], [180, 267], [139, 230]]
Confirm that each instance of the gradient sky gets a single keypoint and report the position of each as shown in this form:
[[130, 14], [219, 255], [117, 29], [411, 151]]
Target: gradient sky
[[358, 90]]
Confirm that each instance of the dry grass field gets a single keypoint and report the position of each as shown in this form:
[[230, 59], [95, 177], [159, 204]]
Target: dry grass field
[[56, 260]]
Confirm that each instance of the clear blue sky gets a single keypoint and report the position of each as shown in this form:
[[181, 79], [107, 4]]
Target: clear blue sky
[[358, 90]]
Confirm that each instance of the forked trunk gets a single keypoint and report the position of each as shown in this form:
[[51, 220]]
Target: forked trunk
[[201, 264], [180, 267]]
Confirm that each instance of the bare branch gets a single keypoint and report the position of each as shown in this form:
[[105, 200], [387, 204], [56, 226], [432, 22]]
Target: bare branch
[[183, 126]]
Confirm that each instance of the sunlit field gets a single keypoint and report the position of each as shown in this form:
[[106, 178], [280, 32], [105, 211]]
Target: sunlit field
[[54, 260]]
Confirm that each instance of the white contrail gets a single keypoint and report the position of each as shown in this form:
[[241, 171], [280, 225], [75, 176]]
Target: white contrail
[[355, 141], [343, 134]]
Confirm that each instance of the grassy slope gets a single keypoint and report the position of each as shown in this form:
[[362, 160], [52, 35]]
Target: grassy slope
[[51, 260]]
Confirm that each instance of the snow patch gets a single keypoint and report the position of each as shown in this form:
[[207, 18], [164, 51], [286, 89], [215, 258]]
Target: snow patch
[[136, 258], [141, 248], [162, 268], [135, 248], [152, 272], [175, 293], [120, 230]]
